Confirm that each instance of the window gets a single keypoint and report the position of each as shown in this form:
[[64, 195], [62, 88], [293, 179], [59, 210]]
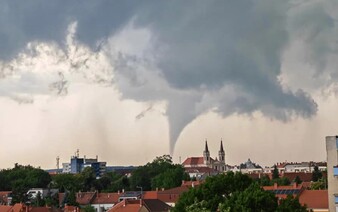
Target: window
[[336, 199], [335, 171]]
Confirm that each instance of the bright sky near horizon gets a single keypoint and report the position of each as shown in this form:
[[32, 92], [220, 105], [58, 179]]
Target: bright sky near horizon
[[132, 80]]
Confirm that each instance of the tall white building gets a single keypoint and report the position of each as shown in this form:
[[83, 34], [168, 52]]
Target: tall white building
[[332, 171]]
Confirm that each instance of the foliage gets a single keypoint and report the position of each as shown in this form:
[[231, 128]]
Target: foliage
[[21, 178], [38, 201], [297, 180], [254, 198], [214, 191], [283, 181], [198, 207], [67, 182], [319, 185], [316, 174], [232, 192], [88, 178], [275, 172], [265, 181], [170, 178], [88, 208], [161, 172], [70, 198], [290, 204]]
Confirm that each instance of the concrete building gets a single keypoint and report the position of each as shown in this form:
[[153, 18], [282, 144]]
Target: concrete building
[[332, 171], [77, 164]]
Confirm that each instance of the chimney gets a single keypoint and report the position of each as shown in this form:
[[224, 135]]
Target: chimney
[[162, 189], [275, 185], [118, 192], [182, 182], [192, 185], [140, 202], [122, 190], [156, 188], [294, 185]]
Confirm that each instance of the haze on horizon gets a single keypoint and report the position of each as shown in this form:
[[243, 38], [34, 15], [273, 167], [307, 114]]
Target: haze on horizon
[[129, 81]]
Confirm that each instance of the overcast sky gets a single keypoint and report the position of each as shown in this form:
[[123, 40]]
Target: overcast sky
[[132, 80]]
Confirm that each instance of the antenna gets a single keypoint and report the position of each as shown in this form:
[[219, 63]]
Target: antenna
[[180, 159], [77, 153], [57, 164]]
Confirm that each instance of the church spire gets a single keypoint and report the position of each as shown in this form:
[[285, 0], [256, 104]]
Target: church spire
[[206, 154], [221, 153], [221, 149], [206, 146]]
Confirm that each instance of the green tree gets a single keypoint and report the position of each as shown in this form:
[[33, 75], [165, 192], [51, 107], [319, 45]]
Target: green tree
[[38, 201], [88, 208], [275, 172], [316, 174], [198, 207], [290, 204], [214, 191], [88, 178], [158, 173], [70, 198], [21, 178], [68, 182], [170, 178], [254, 198], [297, 180], [281, 181]]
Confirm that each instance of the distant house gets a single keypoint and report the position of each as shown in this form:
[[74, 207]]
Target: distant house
[[5, 197], [249, 167], [314, 200], [144, 205], [19, 207]]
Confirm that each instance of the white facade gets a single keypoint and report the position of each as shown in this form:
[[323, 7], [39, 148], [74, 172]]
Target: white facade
[[332, 171], [66, 168]]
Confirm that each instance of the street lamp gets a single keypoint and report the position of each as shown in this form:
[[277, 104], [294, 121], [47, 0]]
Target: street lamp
[[141, 190]]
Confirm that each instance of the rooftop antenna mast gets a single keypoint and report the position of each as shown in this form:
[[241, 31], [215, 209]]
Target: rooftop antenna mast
[[77, 153], [57, 164]]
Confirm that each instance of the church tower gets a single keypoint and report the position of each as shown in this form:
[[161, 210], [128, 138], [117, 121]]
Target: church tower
[[221, 153], [206, 154]]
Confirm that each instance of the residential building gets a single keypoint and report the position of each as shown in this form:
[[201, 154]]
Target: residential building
[[332, 171], [141, 205]]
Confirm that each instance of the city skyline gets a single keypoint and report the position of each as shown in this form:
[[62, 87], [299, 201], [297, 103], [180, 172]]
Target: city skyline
[[131, 81]]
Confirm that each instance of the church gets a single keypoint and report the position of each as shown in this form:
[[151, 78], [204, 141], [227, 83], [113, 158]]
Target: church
[[206, 161]]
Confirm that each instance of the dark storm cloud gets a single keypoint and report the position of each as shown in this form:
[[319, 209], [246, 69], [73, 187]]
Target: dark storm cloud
[[206, 48]]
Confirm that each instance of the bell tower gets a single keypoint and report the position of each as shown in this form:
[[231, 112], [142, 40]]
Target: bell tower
[[206, 154]]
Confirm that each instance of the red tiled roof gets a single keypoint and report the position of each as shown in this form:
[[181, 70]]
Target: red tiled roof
[[150, 195], [172, 195], [193, 161], [21, 207], [126, 206], [5, 208], [275, 187], [303, 176], [314, 199], [105, 198]]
